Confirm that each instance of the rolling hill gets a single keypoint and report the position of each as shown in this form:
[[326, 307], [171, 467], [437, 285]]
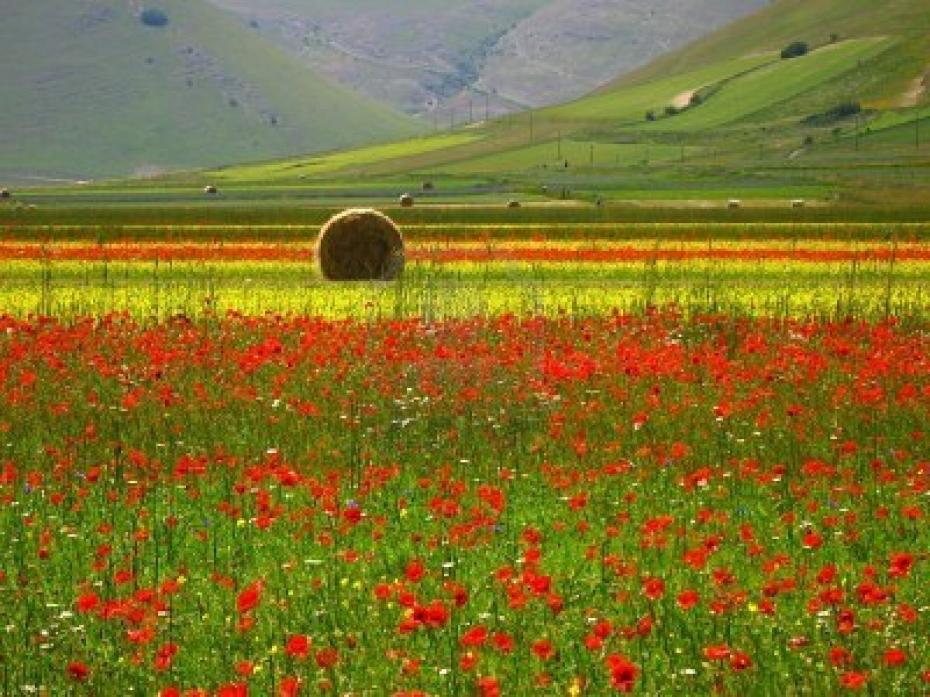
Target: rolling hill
[[87, 90]]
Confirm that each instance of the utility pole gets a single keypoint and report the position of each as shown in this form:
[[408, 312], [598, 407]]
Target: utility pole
[[532, 139], [471, 110], [917, 129], [452, 119], [558, 151]]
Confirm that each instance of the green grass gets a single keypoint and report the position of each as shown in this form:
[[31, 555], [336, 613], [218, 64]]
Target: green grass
[[631, 103], [785, 21], [332, 163], [577, 153], [772, 84]]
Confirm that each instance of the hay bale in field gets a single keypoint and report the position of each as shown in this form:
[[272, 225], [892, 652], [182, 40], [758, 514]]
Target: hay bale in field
[[429, 186], [734, 204], [798, 203], [210, 190], [5, 194], [406, 201], [360, 245], [513, 204]]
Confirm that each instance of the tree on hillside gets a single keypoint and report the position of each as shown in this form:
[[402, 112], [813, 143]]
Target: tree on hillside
[[795, 49], [153, 18]]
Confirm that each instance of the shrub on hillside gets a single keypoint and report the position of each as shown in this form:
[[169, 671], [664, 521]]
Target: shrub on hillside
[[153, 18], [841, 111], [795, 49]]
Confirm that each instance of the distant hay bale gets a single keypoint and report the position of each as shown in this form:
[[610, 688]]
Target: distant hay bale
[[513, 204], [210, 189], [406, 201], [429, 186], [734, 204], [798, 203], [5, 194], [360, 245]]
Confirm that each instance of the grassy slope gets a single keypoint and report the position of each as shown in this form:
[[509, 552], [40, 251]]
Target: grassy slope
[[784, 21], [773, 84], [327, 163], [98, 94]]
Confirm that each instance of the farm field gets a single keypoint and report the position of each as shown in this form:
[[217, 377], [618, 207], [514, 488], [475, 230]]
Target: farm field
[[643, 408], [553, 458]]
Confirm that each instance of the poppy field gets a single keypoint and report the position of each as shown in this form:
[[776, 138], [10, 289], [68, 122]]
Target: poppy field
[[555, 465]]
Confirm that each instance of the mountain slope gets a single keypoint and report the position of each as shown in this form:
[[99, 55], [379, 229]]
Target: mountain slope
[[88, 91], [429, 56], [570, 47], [749, 105]]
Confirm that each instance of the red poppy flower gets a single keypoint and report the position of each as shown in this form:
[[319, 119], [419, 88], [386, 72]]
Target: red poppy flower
[[488, 686], [840, 656], [740, 661], [812, 540], [474, 636], [250, 597], [415, 571], [78, 671], [238, 689], [543, 649], [327, 657], [853, 680], [900, 565], [623, 673], [894, 657], [688, 599], [653, 588], [298, 646], [717, 652], [503, 642], [88, 602], [289, 687]]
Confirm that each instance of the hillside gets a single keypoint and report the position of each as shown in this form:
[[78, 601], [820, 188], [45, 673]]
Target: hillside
[[724, 115], [87, 91], [444, 58]]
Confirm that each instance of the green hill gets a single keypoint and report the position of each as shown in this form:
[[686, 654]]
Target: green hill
[[87, 91], [726, 97]]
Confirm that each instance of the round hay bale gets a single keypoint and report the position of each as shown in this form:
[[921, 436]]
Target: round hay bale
[[5, 194], [406, 201], [429, 186], [734, 204], [798, 203], [210, 189], [360, 245], [513, 204]]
